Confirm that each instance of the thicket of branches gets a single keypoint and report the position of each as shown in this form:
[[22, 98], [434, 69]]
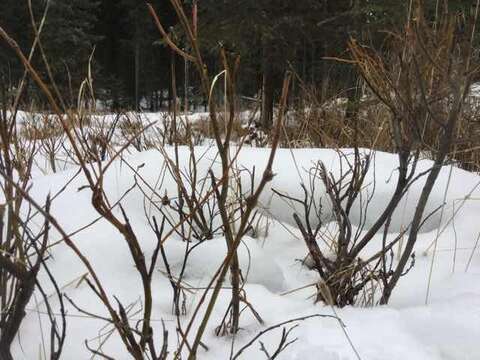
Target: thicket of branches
[[422, 83]]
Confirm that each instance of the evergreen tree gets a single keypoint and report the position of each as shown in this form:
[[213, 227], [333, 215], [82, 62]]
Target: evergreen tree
[[270, 34], [69, 39], [13, 19], [137, 68]]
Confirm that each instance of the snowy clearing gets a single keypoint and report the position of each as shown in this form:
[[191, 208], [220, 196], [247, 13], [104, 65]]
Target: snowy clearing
[[446, 328]]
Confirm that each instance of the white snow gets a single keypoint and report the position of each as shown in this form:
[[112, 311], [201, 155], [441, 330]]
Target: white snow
[[447, 328]]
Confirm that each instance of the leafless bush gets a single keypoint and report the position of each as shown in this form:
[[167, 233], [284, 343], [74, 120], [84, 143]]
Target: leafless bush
[[23, 243], [42, 129], [317, 121], [424, 85], [89, 152], [346, 276], [220, 186]]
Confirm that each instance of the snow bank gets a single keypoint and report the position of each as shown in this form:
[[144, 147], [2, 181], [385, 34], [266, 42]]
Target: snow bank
[[407, 329]]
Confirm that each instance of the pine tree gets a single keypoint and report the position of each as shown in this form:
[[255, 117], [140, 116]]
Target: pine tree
[[270, 34], [13, 19], [69, 39], [128, 54]]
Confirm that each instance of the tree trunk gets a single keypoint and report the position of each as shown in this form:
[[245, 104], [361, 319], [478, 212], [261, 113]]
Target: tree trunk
[[172, 82], [137, 75], [268, 88], [353, 98], [314, 63], [304, 61], [185, 86]]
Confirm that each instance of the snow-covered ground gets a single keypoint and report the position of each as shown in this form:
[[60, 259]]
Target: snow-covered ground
[[448, 327]]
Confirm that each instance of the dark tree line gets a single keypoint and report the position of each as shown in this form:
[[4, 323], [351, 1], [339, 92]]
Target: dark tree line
[[132, 67], [128, 63]]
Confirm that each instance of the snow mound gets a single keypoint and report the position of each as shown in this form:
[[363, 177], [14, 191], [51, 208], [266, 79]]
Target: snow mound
[[446, 329], [256, 265]]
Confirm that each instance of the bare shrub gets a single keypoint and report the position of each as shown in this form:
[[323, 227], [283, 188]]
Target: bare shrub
[[23, 243], [424, 84]]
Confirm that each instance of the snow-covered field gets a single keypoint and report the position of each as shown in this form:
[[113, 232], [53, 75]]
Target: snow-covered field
[[445, 327]]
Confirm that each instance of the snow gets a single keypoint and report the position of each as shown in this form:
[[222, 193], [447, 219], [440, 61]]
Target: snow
[[447, 328], [204, 260]]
